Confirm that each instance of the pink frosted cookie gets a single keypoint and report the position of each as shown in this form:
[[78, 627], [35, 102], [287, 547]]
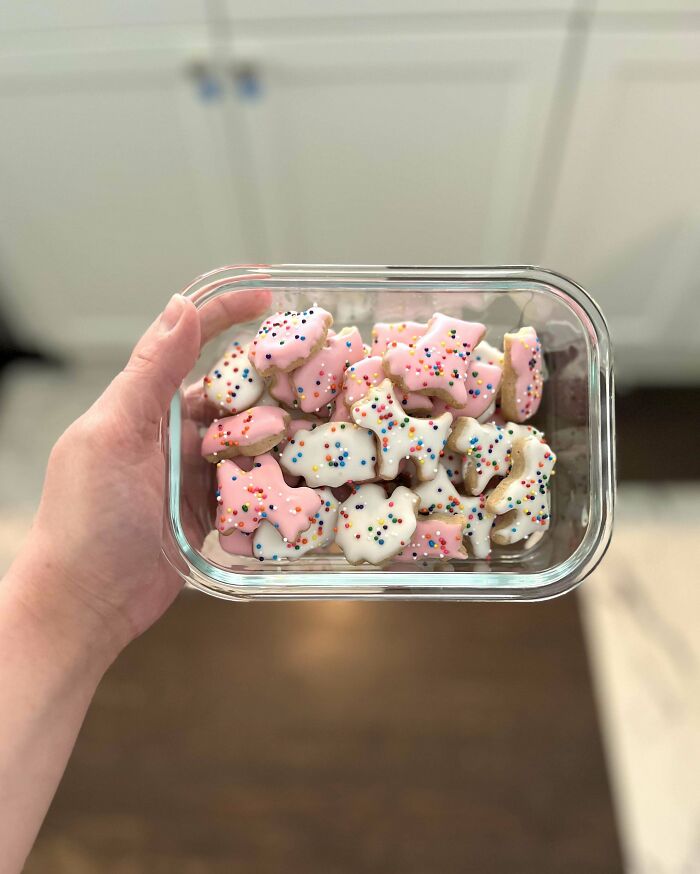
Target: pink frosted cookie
[[233, 385], [253, 432], [361, 377], [318, 380], [400, 435], [438, 364], [477, 532], [281, 388], [269, 545], [385, 334], [246, 498], [438, 536], [521, 500], [236, 543], [521, 392], [483, 382], [285, 340]]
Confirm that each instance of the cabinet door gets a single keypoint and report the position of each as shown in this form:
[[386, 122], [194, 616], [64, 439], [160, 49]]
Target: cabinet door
[[397, 149], [626, 220], [115, 191]]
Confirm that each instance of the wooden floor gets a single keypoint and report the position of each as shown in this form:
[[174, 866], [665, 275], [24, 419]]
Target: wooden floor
[[340, 738]]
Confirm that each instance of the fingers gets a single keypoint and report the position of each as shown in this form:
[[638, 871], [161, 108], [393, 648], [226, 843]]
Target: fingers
[[141, 393], [230, 308]]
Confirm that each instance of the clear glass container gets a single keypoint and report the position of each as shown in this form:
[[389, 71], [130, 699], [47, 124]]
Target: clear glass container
[[576, 414]]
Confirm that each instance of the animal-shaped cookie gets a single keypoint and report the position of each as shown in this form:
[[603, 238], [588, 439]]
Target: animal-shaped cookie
[[233, 384], [477, 531], [253, 432], [439, 495], [246, 498], [438, 363], [400, 435], [373, 527], [521, 390], [285, 340], [483, 383], [282, 389], [319, 379], [385, 334], [486, 449], [237, 543], [521, 500], [488, 354], [269, 545], [332, 454], [437, 537], [364, 375]]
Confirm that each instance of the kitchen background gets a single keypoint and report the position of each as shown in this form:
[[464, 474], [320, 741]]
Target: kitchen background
[[144, 143]]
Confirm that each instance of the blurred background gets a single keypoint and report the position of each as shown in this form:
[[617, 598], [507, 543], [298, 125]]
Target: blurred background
[[144, 143]]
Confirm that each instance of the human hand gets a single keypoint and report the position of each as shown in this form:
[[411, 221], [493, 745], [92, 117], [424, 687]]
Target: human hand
[[93, 566]]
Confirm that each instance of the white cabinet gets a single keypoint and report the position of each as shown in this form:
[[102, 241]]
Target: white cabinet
[[115, 187], [398, 149], [626, 218]]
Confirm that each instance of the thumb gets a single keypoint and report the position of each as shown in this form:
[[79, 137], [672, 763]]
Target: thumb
[[162, 358]]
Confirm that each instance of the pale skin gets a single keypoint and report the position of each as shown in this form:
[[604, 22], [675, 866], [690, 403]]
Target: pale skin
[[91, 576]]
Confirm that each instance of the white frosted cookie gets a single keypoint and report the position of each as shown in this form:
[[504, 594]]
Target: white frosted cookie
[[477, 532], [269, 545], [373, 527], [233, 384], [400, 435], [521, 500], [439, 495], [332, 454], [486, 449]]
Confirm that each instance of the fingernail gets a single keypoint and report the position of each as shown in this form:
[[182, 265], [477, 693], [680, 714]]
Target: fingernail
[[172, 313]]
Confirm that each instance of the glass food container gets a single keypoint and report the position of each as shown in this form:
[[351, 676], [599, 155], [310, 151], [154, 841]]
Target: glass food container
[[576, 415]]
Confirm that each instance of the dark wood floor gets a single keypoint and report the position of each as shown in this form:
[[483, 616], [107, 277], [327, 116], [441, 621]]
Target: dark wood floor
[[340, 738]]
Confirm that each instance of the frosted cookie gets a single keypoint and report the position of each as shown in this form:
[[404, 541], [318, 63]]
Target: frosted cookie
[[486, 449], [245, 499], [236, 543], [269, 545], [285, 340], [253, 432], [488, 354], [439, 495], [438, 364], [282, 389], [521, 391], [364, 375], [453, 463], [233, 384], [477, 531], [438, 536], [521, 500], [332, 454], [386, 333], [319, 379], [483, 383], [373, 527], [400, 435], [340, 412]]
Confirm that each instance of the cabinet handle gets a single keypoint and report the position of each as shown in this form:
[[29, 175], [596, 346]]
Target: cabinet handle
[[246, 79], [205, 79]]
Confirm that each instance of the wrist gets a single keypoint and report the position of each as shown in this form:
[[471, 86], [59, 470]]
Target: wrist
[[41, 597]]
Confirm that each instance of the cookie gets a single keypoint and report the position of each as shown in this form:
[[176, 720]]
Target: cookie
[[319, 379], [438, 364], [439, 495], [437, 537], [269, 545], [374, 528], [253, 432], [483, 383], [453, 462], [285, 340], [521, 391], [400, 435], [237, 543], [486, 448], [245, 499], [521, 500], [281, 388], [360, 377], [386, 333], [233, 384], [477, 531], [488, 354], [332, 454]]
